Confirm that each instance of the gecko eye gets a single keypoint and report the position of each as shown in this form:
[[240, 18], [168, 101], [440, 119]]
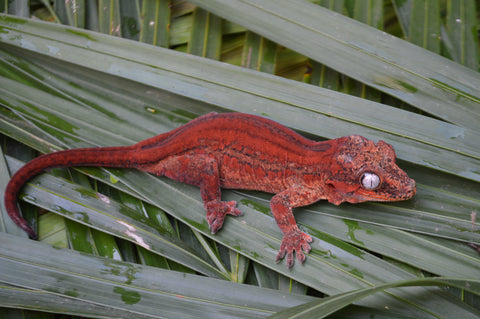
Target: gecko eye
[[370, 180]]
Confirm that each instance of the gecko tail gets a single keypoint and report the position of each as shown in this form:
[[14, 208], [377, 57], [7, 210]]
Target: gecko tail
[[108, 157]]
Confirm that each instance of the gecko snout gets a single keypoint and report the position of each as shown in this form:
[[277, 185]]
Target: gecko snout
[[411, 188]]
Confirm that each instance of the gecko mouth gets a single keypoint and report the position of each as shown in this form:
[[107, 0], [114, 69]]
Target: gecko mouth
[[407, 192], [410, 189]]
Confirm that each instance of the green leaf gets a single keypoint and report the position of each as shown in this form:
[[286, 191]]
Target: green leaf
[[462, 32], [156, 22], [109, 17], [322, 75], [70, 12], [370, 13], [135, 290], [393, 66], [16, 7], [322, 308], [21, 298], [426, 34], [259, 53], [206, 36], [6, 223]]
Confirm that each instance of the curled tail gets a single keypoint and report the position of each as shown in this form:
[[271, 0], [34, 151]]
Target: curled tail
[[108, 157]]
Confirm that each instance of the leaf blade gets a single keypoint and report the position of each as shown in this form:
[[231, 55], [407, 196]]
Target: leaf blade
[[130, 287], [369, 56]]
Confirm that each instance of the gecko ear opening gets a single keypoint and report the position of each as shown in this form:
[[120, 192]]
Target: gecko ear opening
[[370, 180]]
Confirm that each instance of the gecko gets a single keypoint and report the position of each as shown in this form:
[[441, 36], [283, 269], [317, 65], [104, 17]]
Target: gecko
[[249, 152]]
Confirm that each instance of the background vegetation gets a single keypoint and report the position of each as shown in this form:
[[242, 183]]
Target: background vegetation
[[121, 243]]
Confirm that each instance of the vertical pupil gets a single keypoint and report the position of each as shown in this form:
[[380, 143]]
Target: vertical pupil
[[370, 181]]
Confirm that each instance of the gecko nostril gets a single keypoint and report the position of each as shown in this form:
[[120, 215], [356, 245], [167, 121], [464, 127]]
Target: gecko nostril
[[411, 188], [413, 185]]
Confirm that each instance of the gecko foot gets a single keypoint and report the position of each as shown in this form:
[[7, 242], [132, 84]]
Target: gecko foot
[[216, 211], [297, 242]]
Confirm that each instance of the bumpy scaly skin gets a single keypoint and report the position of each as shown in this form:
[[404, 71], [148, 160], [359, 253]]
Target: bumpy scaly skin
[[241, 151]]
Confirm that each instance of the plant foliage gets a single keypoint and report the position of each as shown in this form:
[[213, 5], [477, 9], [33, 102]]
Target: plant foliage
[[122, 243]]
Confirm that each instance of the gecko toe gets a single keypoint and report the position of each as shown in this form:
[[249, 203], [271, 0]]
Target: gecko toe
[[290, 260], [235, 212], [215, 221], [295, 243], [231, 208], [300, 256], [280, 255], [216, 211]]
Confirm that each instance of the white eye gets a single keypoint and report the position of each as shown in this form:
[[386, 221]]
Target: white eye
[[370, 180]]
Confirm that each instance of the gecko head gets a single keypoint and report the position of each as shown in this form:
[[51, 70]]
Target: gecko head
[[366, 171]]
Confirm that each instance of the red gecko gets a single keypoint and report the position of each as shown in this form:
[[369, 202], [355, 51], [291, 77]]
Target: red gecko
[[240, 151]]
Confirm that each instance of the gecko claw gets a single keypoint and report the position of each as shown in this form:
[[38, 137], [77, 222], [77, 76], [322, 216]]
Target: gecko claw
[[216, 211], [297, 243]]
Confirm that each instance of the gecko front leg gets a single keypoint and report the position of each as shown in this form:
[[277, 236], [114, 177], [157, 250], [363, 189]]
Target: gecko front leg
[[202, 171], [294, 240]]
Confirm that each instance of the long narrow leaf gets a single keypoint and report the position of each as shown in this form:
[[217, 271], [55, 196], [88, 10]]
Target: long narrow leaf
[[425, 34], [461, 21], [382, 61], [132, 288], [321, 309], [155, 22], [21, 298]]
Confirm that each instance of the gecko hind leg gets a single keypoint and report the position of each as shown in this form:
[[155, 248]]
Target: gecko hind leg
[[202, 171]]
